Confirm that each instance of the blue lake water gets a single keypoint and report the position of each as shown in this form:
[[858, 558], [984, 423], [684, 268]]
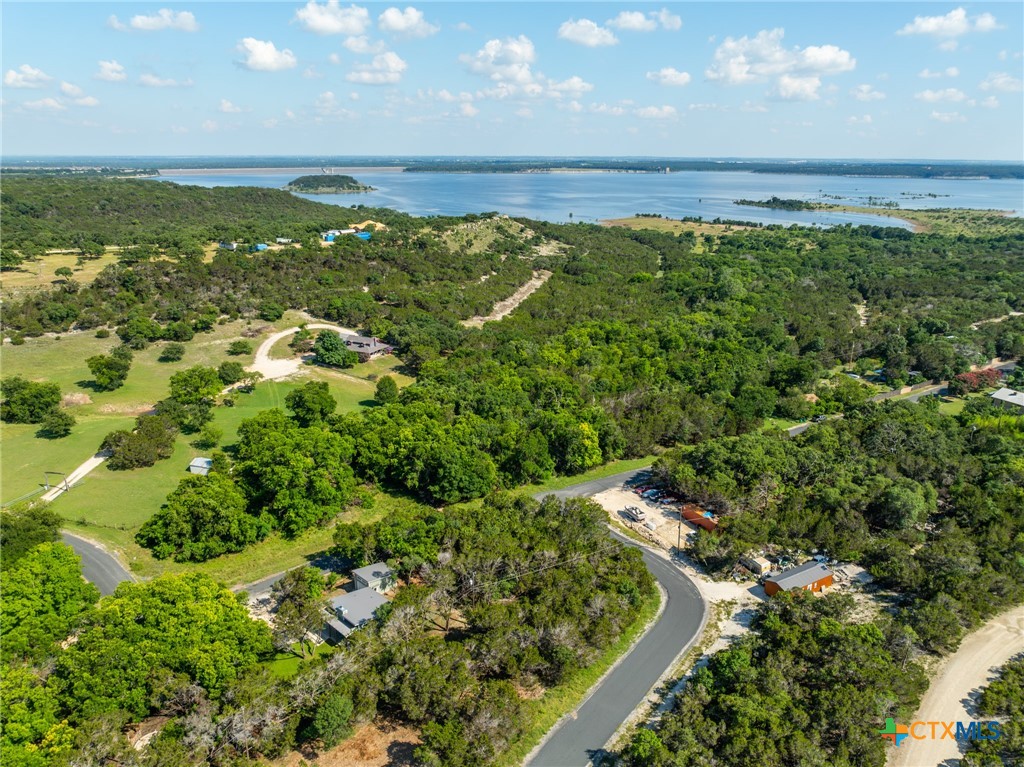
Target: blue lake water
[[592, 197]]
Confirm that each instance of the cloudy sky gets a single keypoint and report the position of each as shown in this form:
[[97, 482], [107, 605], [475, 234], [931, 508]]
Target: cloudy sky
[[766, 79]]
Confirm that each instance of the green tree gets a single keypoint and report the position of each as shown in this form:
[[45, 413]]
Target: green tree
[[32, 730], [185, 624], [64, 272], [57, 424], [22, 528], [44, 600], [196, 385], [25, 401], [311, 403], [300, 609], [151, 441], [332, 720], [230, 372], [204, 517], [386, 391], [330, 350], [209, 437], [239, 348], [109, 371], [172, 352]]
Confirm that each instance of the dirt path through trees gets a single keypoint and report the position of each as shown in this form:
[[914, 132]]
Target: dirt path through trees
[[952, 696], [504, 308]]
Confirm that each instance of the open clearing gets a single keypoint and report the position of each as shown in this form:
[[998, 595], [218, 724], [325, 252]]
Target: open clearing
[[504, 308], [378, 744], [672, 225]]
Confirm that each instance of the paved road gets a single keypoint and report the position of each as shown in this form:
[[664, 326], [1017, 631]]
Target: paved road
[[99, 567], [583, 736]]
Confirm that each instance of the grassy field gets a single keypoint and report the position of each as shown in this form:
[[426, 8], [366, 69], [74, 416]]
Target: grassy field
[[544, 712], [560, 483], [287, 664], [39, 274], [672, 225]]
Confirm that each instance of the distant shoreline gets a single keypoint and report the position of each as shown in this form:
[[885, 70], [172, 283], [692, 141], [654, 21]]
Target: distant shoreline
[[337, 170]]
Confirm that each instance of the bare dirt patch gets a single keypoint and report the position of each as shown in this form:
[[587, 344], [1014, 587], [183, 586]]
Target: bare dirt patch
[[504, 308], [75, 398], [125, 409], [378, 744]]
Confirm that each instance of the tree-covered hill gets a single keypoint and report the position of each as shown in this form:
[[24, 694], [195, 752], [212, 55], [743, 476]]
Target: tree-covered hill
[[326, 184]]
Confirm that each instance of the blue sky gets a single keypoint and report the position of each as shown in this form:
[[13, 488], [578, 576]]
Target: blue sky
[[767, 79]]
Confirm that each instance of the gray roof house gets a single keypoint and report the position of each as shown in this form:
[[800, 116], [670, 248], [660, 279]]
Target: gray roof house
[[366, 348], [377, 577], [1010, 399], [351, 611], [812, 576], [200, 466]]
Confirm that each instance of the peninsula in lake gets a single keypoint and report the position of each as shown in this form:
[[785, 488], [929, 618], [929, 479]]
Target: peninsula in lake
[[327, 184]]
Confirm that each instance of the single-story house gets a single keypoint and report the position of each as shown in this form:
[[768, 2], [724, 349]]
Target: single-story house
[[351, 611], [1009, 399], [810, 576], [229, 245], [366, 348], [377, 577], [200, 466], [756, 565], [331, 234]]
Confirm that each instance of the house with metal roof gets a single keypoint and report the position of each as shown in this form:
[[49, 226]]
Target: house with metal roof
[[366, 348], [378, 577], [810, 576], [1009, 399], [351, 611]]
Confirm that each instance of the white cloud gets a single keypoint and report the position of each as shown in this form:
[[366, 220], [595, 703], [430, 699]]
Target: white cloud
[[332, 19], [361, 44], [504, 61], [949, 46], [209, 126], [228, 108], [669, 20], [114, 23], [409, 23], [656, 113], [798, 87], [468, 110], [182, 21], [463, 27], [334, 58], [1001, 81], [946, 94], [953, 24], [70, 90], [948, 117], [263, 56], [152, 81], [26, 76], [854, 120], [607, 109], [750, 106], [575, 86], [989, 103], [386, 68], [705, 107], [867, 93], [762, 58], [312, 73], [111, 71], [525, 112], [87, 101], [669, 76], [327, 105], [586, 32], [928, 74], [48, 104], [633, 21]]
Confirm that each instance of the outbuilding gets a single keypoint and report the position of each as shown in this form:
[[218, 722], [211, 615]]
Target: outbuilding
[[378, 577], [756, 565], [200, 466], [810, 576]]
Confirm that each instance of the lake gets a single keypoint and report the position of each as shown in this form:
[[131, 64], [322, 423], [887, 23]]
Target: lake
[[593, 196]]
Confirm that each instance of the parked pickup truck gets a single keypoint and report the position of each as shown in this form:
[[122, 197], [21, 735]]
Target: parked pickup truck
[[634, 513]]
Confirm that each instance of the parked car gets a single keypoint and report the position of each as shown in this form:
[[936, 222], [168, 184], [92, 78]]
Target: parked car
[[820, 418]]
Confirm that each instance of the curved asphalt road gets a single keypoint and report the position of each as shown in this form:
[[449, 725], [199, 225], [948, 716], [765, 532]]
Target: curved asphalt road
[[582, 736], [99, 568]]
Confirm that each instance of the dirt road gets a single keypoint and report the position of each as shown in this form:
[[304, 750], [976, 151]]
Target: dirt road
[[504, 308], [75, 476], [272, 369], [953, 692]]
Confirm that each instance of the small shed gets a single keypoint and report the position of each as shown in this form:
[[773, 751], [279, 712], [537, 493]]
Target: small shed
[[377, 576], [200, 466], [756, 565], [810, 576]]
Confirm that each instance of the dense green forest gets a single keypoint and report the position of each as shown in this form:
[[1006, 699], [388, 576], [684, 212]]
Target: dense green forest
[[778, 203], [1002, 701], [512, 595], [326, 184]]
